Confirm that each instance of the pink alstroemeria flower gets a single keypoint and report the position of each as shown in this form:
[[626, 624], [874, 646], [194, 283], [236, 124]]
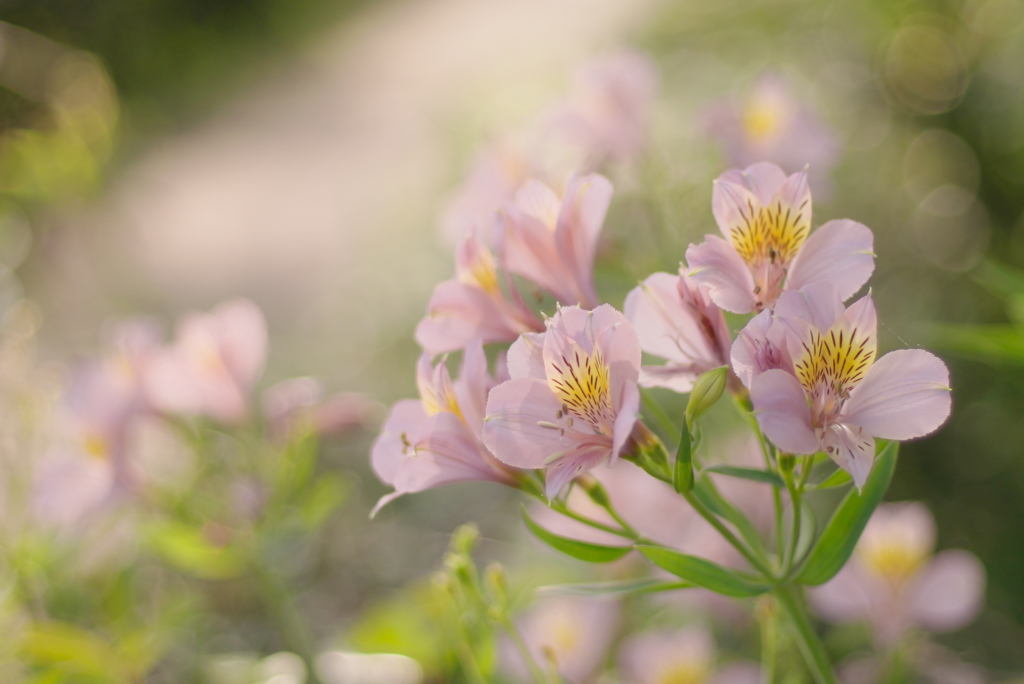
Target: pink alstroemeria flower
[[824, 390], [473, 306], [436, 439], [572, 399], [676, 320], [894, 583], [768, 246], [574, 632], [685, 656], [772, 124], [213, 365], [553, 241], [607, 116]]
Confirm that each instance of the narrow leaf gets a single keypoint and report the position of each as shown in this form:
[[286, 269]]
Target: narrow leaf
[[584, 551], [843, 530], [701, 572], [620, 588], [837, 479], [682, 475], [754, 474]]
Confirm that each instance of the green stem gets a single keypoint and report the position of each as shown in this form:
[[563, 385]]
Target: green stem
[[535, 671], [770, 464], [286, 615], [794, 538], [728, 535], [807, 639], [769, 640]]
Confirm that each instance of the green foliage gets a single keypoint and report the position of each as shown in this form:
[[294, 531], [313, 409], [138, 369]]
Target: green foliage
[[843, 530], [752, 474], [584, 551], [702, 572]]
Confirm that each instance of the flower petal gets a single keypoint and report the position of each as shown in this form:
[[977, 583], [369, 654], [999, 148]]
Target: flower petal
[[717, 266], [526, 356], [765, 180], [851, 448], [847, 597], [401, 429], [818, 304], [579, 226], [839, 252], [580, 459], [905, 394], [781, 409], [949, 593], [628, 410], [518, 428]]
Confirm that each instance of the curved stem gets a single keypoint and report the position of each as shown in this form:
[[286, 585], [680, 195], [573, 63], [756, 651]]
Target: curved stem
[[807, 639], [286, 614], [728, 535]]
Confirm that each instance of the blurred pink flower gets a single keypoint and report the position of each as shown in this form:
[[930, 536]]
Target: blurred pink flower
[[436, 439], [576, 633], [676, 320], [607, 116], [894, 583], [92, 463], [772, 125], [766, 220], [473, 306], [300, 403], [553, 241], [213, 365], [684, 656], [572, 399], [827, 392]]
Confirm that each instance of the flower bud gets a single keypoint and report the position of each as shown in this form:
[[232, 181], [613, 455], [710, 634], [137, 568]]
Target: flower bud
[[706, 391]]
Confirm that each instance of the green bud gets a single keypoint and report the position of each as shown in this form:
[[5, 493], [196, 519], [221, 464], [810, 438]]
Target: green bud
[[464, 538], [706, 391]]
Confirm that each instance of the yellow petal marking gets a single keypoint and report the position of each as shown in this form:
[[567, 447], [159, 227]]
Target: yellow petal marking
[[836, 361], [581, 382], [772, 234]]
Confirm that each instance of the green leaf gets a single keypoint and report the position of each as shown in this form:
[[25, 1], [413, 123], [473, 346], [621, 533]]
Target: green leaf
[[619, 588], [843, 530], [754, 474], [187, 549], [682, 474], [837, 479], [326, 493], [701, 572], [584, 551], [999, 343]]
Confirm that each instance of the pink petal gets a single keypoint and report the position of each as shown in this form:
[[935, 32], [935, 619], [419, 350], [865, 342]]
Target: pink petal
[[526, 357], [844, 598], [781, 409], [516, 428], [579, 226], [577, 461], [459, 313], [733, 204], [539, 201], [243, 333], [755, 350], [401, 429], [851, 448], [765, 180], [628, 409], [472, 386], [717, 266], [446, 452], [949, 593], [818, 304], [905, 394], [839, 252], [677, 377], [665, 325]]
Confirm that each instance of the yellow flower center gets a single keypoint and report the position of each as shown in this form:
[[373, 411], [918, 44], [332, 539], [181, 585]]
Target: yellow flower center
[[683, 673], [772, 235], [581, 382], [96, 446], [482, 272], [893, 560], [832, 364], [761, 121]]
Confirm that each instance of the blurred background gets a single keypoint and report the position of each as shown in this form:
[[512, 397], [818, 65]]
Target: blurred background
[[161, 157]]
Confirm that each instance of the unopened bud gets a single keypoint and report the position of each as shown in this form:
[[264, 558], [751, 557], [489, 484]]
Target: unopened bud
[[706, 391], [464, 538], [595, 490]]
